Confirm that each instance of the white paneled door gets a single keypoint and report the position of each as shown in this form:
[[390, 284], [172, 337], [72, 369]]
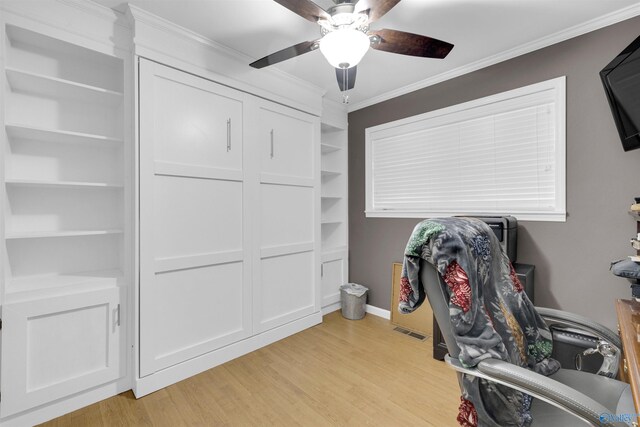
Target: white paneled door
[[287, 273], [55, 347], [195, 283]]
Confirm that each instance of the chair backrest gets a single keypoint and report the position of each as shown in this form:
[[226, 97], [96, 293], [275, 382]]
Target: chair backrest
[[437, 295]]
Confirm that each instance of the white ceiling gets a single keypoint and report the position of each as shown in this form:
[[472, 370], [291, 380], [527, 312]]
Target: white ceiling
[[483, 32]]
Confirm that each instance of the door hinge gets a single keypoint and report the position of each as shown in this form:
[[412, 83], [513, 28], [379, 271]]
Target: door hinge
[[0, 324]]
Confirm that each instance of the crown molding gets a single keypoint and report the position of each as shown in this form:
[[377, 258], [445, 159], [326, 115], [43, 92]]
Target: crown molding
[[560, 36], [86, 6], [169, 27], [95, 9]]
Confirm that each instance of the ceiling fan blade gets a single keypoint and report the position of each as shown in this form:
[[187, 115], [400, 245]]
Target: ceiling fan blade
[[305, 8], [410, 44], [284, 54], [376, 8], [346, 78]]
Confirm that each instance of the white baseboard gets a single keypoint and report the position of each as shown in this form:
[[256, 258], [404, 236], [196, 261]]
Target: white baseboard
[[385, 314], [189, 368], [380, 312], [331, 308]]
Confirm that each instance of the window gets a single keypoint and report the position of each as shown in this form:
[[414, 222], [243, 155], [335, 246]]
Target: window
[[503, 154]]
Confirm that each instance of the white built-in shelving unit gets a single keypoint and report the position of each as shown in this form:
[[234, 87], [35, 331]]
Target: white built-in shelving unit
[[64, 209], [334, 203]]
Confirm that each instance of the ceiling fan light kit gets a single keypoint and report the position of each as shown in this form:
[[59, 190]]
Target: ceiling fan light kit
[[344, 48], [346, 37]]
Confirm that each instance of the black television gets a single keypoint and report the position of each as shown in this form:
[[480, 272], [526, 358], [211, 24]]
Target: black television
[[621, 80]]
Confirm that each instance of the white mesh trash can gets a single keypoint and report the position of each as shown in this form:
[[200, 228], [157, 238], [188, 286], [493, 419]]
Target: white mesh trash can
[[353, 299]]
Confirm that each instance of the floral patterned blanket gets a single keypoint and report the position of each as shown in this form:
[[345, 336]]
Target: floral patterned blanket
[[491, 316]]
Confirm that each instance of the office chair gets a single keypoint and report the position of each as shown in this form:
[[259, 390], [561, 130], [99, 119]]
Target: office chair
[[565, 398]]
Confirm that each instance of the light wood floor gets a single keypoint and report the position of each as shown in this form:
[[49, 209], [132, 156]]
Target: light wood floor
[[341, 372]]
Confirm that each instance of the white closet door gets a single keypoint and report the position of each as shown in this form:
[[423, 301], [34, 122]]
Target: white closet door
[[55, 347], [286, 280], [194, 285]]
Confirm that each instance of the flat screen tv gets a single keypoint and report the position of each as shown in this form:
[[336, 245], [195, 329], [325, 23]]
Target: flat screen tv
[[621, 79]]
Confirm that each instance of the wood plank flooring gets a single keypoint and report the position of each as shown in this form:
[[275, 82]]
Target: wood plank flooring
[[338, 373]]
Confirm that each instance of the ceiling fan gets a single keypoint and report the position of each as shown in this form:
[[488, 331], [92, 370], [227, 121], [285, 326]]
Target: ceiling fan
[[346, 37]]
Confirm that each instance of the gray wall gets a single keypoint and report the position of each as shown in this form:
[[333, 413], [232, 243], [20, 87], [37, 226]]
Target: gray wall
[[571, 258]]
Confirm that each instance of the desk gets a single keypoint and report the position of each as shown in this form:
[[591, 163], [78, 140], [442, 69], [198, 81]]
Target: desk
[[628, 317]]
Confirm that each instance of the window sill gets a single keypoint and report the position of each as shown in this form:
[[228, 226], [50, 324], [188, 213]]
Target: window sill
[[522, 216]]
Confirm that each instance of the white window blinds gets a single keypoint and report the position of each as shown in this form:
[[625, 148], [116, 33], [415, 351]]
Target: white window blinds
[[498, 155]]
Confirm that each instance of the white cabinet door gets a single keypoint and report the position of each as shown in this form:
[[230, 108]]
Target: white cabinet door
[[194, 278], [286, 282], [333, 276], [56, 347], [287, 143], [196, 122]]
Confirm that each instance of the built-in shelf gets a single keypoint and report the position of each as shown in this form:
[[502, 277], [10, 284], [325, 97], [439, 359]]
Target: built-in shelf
[[28, 82], [39, 286], [329, 173], [334, 256], [70, 54], [329, 148], [60, 184], [334, 192], [56, 135], [65, 233]]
